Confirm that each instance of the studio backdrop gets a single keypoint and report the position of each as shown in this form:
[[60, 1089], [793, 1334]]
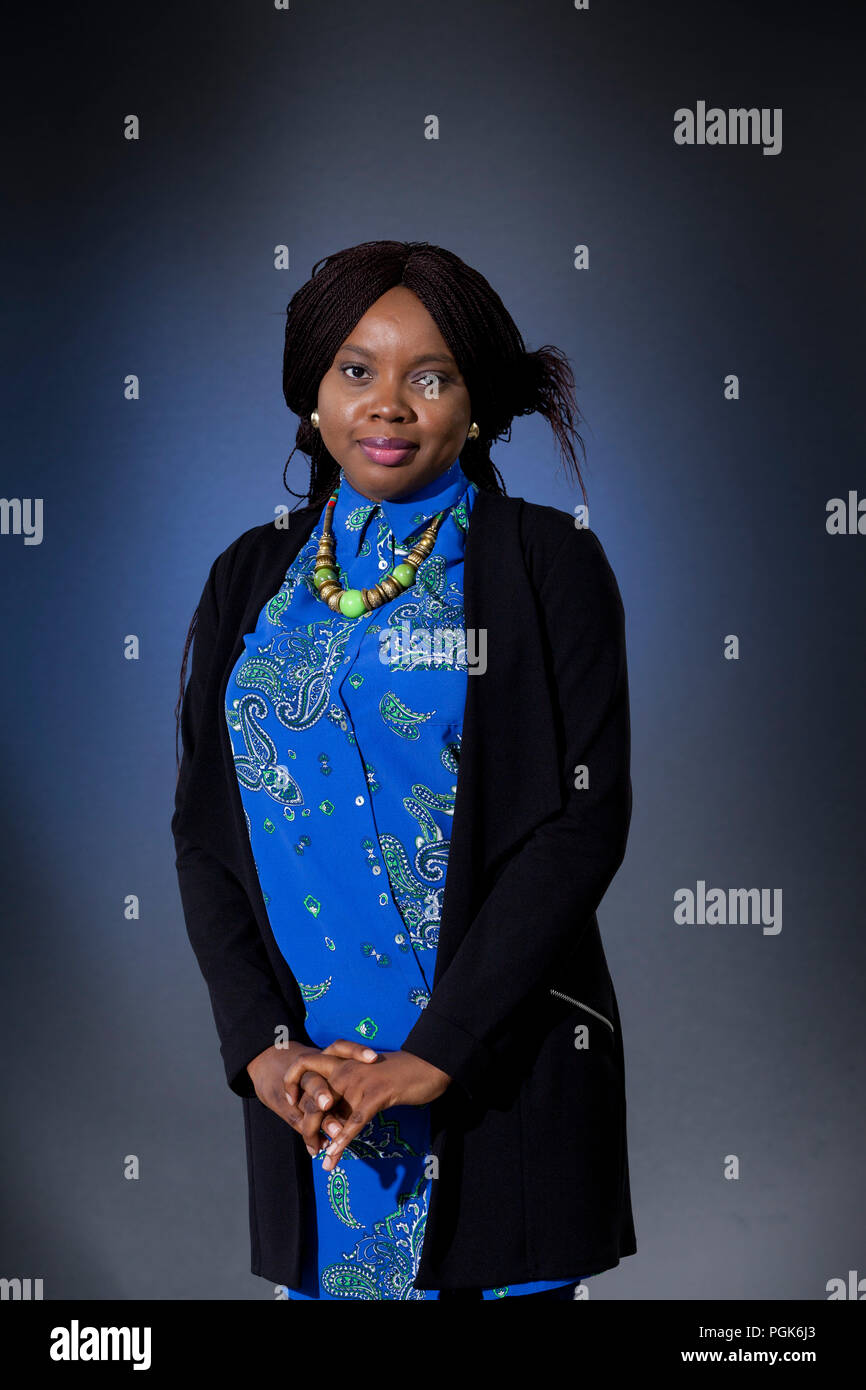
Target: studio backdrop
[[674, 195]]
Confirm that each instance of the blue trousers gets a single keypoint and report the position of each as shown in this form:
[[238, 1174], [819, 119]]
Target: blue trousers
[[564, 1294]]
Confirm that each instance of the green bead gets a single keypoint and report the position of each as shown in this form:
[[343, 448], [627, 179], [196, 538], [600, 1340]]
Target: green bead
[[352, 603], [404, 574], [322, 574]]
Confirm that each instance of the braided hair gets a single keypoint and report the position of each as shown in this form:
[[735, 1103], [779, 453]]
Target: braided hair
[[502, 378]]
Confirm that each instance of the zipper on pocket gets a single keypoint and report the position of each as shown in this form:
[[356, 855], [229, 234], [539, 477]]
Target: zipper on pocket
[[581, 1005]]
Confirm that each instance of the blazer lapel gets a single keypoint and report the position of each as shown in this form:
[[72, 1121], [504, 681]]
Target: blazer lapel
[[509, 779]]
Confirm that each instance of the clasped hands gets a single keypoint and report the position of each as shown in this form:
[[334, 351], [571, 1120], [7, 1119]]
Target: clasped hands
[[339, 1088]]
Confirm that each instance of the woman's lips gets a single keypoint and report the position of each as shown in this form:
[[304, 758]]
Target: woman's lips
[[386, 456]]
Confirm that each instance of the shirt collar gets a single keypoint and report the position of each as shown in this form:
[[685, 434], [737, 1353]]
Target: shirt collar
[[405, 515]]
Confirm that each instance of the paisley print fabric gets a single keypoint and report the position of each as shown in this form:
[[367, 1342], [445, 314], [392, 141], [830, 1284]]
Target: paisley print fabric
[[346, 739]]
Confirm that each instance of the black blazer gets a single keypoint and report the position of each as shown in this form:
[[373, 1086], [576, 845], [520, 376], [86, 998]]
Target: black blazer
[[530, 1137]]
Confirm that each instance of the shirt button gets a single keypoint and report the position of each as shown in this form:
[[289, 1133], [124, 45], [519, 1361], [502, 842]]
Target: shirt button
[[359, 800], [383, 564]]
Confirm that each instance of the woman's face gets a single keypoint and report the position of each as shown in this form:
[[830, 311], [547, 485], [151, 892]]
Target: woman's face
[[393, 379]]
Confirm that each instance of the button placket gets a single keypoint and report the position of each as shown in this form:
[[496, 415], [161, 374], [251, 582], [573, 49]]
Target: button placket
[[415, 977]]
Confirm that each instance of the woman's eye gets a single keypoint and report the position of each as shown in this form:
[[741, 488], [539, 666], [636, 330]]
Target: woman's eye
[[425, 380]]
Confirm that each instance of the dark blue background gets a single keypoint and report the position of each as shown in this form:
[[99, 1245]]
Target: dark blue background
[[155, 257]]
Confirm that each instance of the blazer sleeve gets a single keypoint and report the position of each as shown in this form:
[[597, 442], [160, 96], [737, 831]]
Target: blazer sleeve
[[548, 890], [246, 999]]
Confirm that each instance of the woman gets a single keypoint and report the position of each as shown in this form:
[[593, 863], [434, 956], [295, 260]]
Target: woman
[[404, 791]]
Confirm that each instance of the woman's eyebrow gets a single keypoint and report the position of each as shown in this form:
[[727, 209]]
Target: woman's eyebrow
[[422, 357]]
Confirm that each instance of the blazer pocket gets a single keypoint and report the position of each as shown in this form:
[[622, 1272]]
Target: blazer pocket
[[578, 1003]]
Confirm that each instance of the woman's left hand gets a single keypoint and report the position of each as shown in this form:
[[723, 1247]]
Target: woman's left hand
[[365, 1088]]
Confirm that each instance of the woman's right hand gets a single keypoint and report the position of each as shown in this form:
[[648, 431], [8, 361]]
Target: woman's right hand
[[305, 1103]]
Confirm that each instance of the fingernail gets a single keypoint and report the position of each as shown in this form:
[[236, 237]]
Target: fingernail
[[333, 1128], [324, 1100], [370, 1054]]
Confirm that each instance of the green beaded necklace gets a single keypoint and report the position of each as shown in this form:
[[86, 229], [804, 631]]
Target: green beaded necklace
[[353, 602]]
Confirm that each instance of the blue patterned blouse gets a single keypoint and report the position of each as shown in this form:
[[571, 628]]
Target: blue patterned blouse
[[346, 737]]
